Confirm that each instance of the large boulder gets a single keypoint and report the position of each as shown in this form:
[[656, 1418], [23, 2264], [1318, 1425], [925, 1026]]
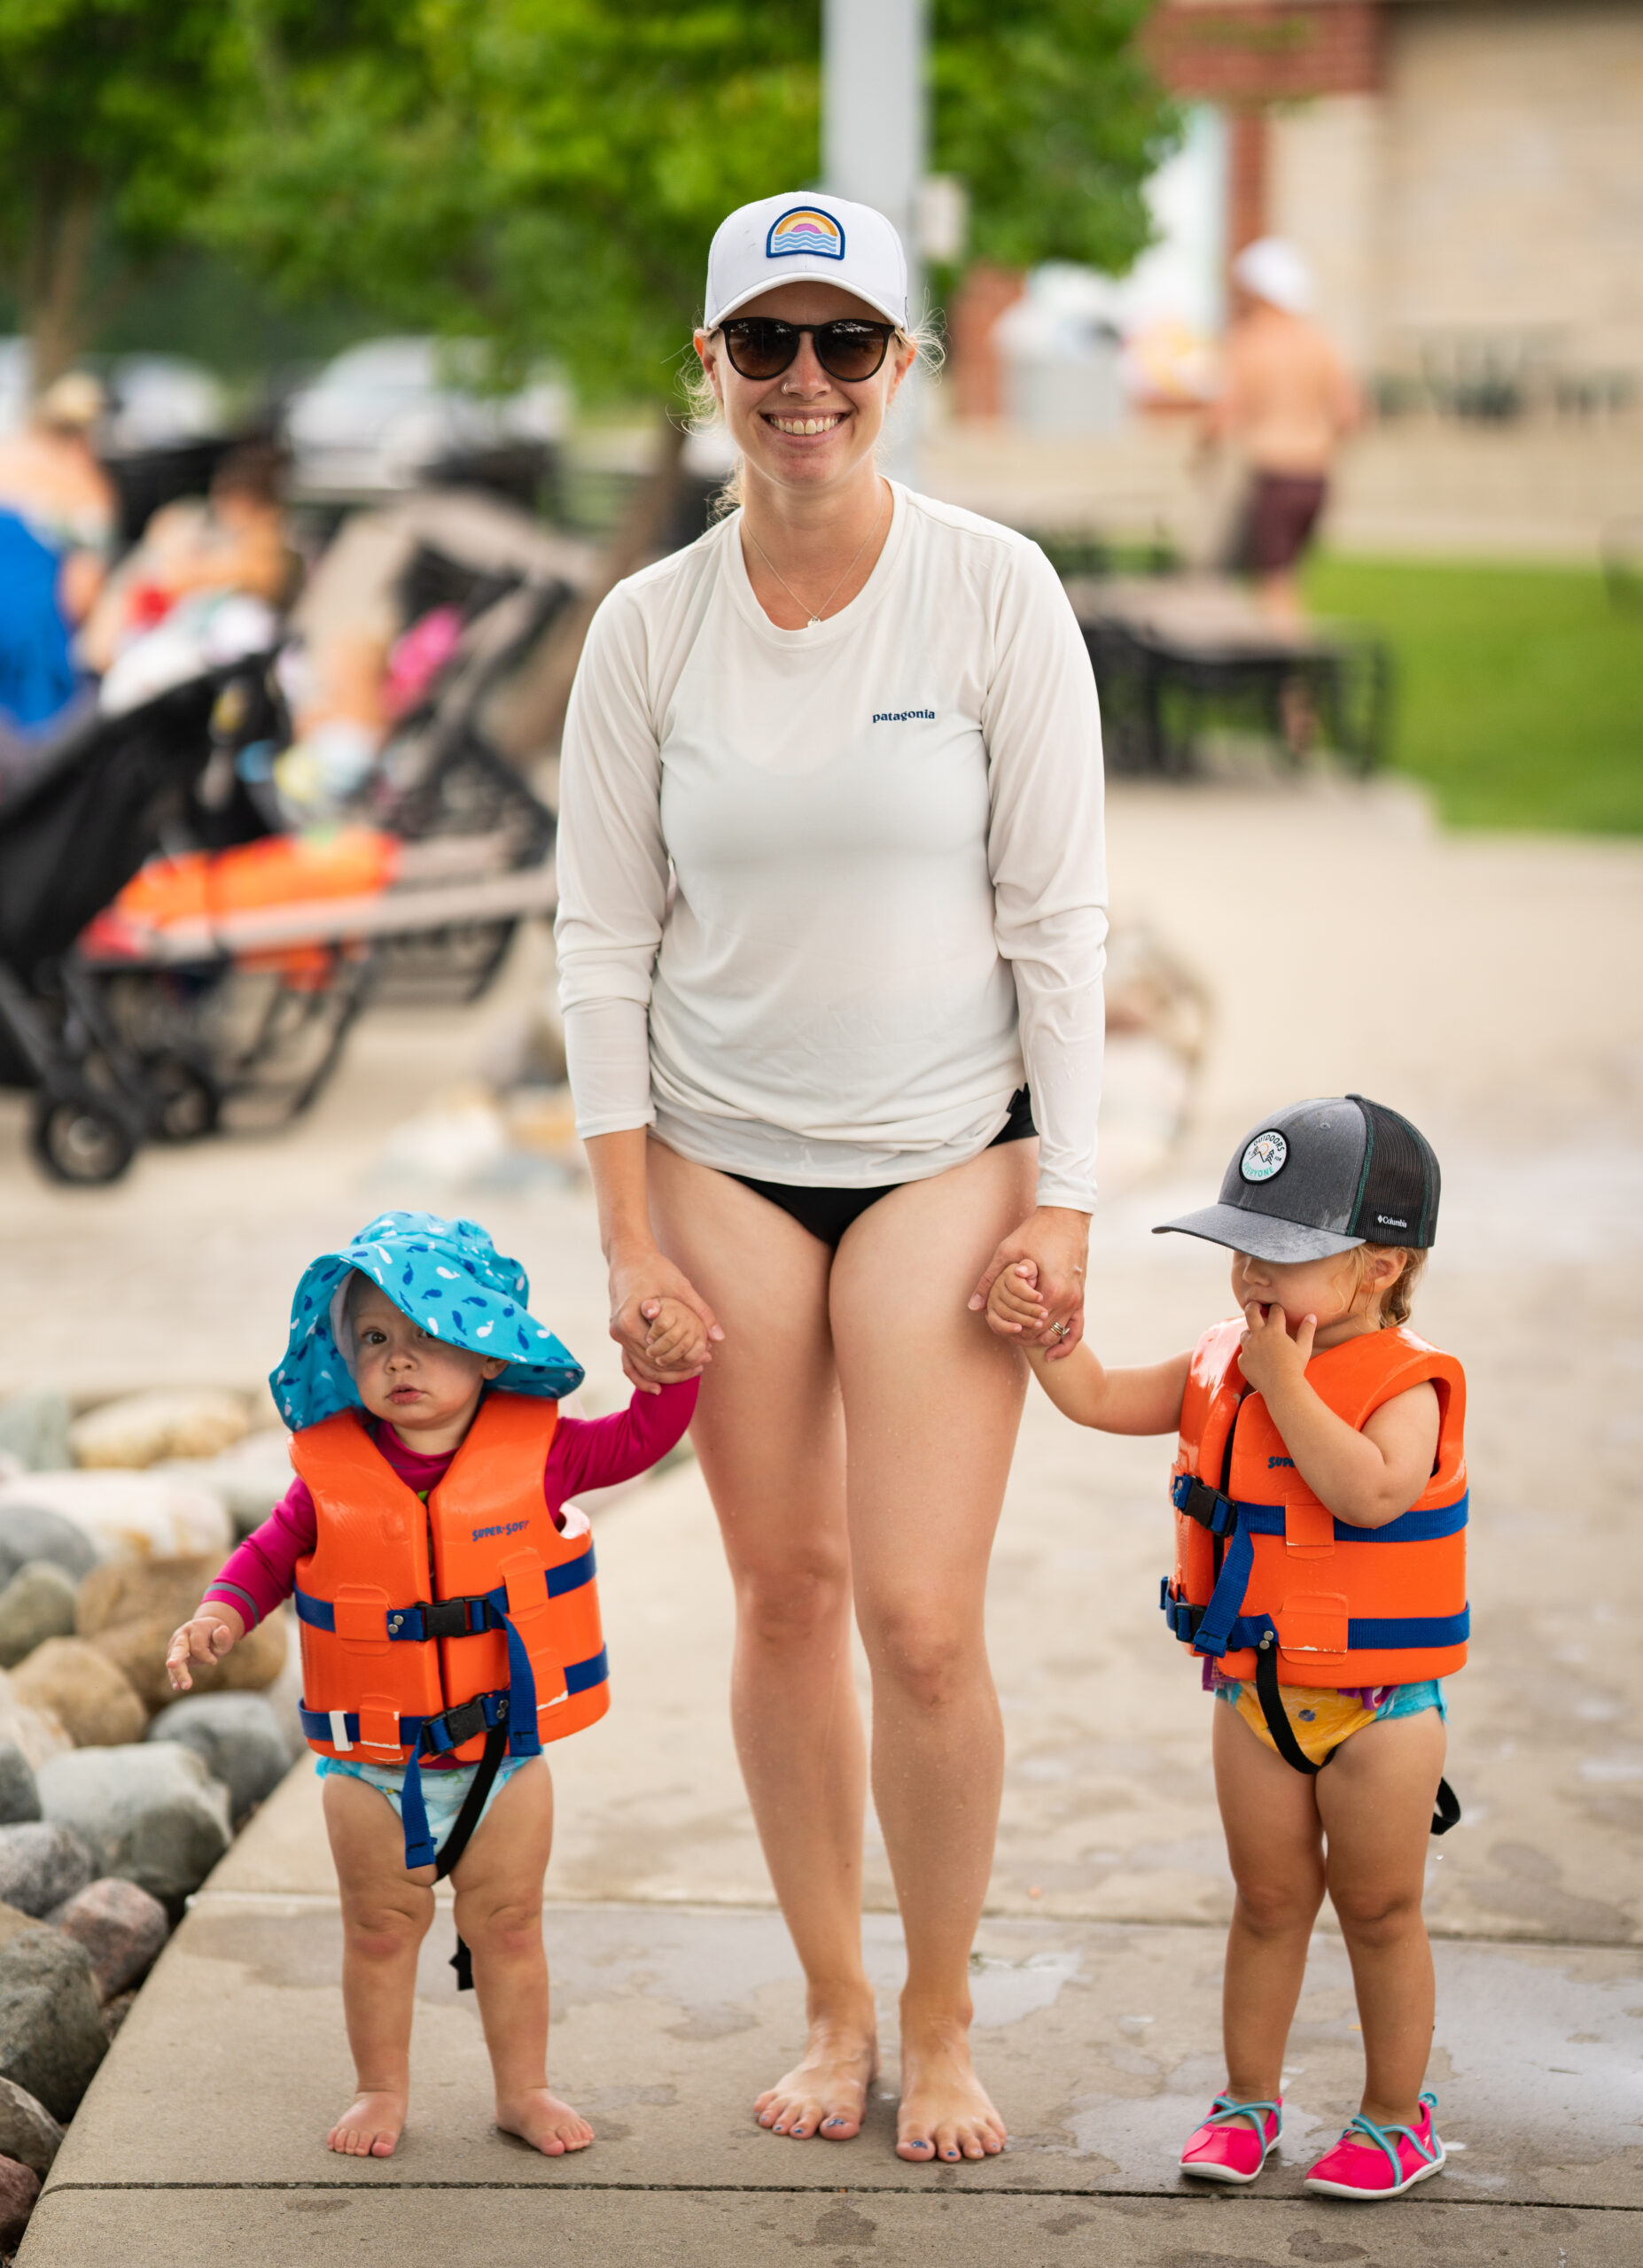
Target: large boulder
[[122, 1515], [90, 1696], [51, 2036], [153, 1814], [27, 2130], [141, 1428], [121, 1928], [33, 1532], [38, 1733], [19, 2185], [19, 1797], [34, 1429], [42, 1862], [130, 1608], [249, 1477], [36, 1604], [239, 1737]]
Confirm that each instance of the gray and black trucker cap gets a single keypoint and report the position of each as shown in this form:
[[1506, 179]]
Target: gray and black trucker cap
[[1319, 1177]]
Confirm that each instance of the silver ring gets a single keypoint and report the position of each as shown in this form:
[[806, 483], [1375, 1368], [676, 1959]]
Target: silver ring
[[1060, 1330]]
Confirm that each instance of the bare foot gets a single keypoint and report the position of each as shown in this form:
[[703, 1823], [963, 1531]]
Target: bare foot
[[945, 2112], [825, 2093], [541, 2119], [371, 2125]]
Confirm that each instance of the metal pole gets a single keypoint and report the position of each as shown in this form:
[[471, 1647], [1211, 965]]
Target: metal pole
[[874, 140]]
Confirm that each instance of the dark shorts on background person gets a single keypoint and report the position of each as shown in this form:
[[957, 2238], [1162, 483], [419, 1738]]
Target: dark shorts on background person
[[1284, 508], [828, 1213]]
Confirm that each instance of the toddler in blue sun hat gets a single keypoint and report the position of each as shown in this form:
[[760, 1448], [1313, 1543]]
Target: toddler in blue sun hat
[[450, 1621]]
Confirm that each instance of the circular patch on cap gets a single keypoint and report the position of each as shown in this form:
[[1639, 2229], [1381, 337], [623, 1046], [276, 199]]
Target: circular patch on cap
[[1264, 1156]]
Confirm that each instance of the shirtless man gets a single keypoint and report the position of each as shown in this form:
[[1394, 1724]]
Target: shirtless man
[[1286, 401]]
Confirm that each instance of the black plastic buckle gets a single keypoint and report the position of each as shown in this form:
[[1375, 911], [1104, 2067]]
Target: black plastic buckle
[[1207, 1506], [465, 1722], [451, 1618]]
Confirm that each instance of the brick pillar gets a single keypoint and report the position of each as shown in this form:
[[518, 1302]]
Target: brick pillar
[[1246, 188], [982, 297]]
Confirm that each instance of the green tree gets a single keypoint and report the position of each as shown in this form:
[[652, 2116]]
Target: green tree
[[109, 112], [551, 171]]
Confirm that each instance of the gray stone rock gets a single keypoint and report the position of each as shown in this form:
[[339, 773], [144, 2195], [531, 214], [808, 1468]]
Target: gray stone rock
[[239, 1737], [51, 2025], [42, 1863], [29, 1532], [19, 2185], [36, 1604], [152, 1812], [34, 1429], [19, 1797], [121, 1928], [27, 2130]]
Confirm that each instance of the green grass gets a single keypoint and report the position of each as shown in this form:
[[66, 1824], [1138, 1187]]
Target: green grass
[[1519, 690]]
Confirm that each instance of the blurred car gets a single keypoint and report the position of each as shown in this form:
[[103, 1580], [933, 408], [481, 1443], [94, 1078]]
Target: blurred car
[[158, 401], [13, 383], [397, 412]]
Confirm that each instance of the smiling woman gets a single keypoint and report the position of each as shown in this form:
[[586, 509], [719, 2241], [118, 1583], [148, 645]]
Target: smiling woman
[[831, 935]]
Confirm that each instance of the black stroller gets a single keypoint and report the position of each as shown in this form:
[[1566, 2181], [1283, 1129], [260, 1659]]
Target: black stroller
[[72, 833], [236, 1013]]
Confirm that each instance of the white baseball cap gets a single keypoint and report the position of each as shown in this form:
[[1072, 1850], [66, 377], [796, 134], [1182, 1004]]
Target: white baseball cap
[[805, 238], [1272, 269]]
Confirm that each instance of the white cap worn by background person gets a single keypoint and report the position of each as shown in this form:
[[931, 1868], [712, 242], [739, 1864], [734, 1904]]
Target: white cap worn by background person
[[796, 238], [1272, 269]]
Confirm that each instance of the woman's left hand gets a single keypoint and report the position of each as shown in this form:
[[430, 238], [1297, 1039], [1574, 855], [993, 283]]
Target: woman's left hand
[[1056, 1239]]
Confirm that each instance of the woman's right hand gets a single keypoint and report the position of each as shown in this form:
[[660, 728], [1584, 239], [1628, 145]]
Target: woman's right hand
[[641, 1281]]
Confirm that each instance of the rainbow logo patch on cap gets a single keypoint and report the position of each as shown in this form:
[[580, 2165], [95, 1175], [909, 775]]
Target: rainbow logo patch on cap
[[805, 229]]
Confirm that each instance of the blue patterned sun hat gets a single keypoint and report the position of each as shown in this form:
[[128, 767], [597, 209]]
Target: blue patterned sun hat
[[447, 1276]]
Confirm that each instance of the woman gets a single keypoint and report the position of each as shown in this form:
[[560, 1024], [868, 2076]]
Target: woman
[[831, 896]]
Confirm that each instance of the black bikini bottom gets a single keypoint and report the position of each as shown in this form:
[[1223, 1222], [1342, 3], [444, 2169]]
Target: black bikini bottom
[[828, 1213]]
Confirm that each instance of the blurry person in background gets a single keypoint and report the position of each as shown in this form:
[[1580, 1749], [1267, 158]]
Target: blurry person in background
[[231, 542], [1287, 399], [51, 480], [56, 523]]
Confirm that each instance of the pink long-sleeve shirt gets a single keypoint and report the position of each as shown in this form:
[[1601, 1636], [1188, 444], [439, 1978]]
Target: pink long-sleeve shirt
[[587, 1453]]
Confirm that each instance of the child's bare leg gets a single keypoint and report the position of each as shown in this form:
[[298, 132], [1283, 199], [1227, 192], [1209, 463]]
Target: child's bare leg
[[499, 1913], [385, 1913], [1376, 1801], [1275, 1846]]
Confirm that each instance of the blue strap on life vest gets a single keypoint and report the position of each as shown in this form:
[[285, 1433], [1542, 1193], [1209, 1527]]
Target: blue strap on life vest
[[450, 1618]]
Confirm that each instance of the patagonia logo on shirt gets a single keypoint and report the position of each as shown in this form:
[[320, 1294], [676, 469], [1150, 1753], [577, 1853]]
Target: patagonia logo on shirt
[[903, 716], [512, 1528]]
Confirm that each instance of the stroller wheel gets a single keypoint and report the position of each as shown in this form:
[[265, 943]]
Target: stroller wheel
[[186, 1102], [81, 1135]]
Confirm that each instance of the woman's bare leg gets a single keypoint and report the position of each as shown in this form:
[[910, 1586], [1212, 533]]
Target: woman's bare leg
[[933, 1402], [769, 1432]]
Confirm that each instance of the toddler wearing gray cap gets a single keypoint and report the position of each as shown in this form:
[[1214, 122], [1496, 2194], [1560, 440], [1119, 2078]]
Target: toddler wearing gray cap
[[1319, 1494]]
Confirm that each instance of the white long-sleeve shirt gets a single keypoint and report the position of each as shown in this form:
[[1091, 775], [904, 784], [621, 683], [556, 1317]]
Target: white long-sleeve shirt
[[826, 896]]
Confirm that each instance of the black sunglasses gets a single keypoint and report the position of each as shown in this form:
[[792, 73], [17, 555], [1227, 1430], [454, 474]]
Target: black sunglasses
[[759, 348]]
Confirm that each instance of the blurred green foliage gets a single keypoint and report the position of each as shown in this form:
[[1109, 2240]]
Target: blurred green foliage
[[544, 173], [111, 115], [1519, 689]]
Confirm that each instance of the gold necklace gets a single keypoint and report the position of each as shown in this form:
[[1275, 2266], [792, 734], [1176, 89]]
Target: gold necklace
[[814, 623]]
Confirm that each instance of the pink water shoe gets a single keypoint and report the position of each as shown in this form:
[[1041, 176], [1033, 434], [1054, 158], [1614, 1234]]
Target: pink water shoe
[[1235, 2142], [1371, 2162]]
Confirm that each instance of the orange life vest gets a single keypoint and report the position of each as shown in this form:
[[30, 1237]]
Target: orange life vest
[[424, 1627], [1259, 1563]]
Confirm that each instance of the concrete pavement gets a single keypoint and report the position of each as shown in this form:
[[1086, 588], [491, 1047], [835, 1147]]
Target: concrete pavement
[[1488, 987]]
